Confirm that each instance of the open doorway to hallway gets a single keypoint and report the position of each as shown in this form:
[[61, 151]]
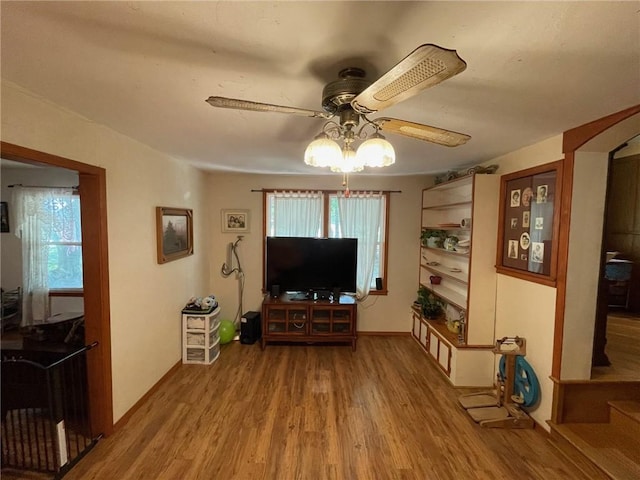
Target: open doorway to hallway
[[617, 339]]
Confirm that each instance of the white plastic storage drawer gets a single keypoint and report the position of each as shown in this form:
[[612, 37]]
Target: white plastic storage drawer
[[199, 322], [213, 334], [195, 355], [195, 339], [214, 351], [200, 340]]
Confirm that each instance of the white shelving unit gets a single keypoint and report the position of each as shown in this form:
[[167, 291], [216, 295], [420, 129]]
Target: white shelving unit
[[468, 283], [200, 340]]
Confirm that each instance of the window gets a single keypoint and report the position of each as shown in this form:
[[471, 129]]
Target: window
[[48, 224], [64, 243], [362, 215]]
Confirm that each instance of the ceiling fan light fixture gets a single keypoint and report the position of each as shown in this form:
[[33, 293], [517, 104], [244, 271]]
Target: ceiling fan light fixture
[[348, 100], [376, 152], [322, 152]]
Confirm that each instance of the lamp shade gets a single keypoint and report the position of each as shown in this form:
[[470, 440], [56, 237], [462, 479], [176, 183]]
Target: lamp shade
[[322, 152], [348, 162], [376, 152]]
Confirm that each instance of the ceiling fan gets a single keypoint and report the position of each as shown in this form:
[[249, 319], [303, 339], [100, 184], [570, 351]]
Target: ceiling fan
[[352, 95]]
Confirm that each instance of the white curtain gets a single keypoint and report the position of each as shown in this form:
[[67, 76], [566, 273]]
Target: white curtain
[[296, 214], [35, 212], [361, 216]]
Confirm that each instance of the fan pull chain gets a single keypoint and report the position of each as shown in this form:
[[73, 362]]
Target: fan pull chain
[[345, 183]]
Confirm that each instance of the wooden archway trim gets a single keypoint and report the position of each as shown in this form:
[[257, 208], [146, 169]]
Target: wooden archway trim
[[572, 140], [93, 192]]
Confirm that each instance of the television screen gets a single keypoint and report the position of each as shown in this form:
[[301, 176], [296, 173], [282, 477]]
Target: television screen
[[300, 264]]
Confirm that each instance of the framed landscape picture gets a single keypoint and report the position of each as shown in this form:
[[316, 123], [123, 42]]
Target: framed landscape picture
[[174, 227]]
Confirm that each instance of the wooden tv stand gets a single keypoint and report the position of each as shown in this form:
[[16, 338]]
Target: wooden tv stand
[[287, 320]]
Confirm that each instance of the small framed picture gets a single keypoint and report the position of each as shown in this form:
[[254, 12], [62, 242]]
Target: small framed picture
[[537, 252], [527, 194], [513, 249], [525, 219], [541, 194], [514, 223], [539, 224], [235, 221], [524, 241], [515, 198]]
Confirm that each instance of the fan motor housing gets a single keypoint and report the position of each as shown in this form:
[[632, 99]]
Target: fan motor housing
[[340, 92]]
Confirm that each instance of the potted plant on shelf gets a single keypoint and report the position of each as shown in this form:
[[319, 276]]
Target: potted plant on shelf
[[430, 305], [433, 238], [450, 242]]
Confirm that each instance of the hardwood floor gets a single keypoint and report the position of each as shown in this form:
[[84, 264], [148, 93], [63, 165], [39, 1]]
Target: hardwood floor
[[623, 348], [316, 412]]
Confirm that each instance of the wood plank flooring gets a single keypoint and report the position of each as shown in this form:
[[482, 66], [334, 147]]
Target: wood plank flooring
[[316, 412], [613, 449]]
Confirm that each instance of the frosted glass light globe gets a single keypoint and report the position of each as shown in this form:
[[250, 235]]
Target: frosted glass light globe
[[322, 152], [376, 152]]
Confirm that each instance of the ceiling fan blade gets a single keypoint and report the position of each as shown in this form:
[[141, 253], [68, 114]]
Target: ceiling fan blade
[[425, 67], [427, 133], [237, 104]]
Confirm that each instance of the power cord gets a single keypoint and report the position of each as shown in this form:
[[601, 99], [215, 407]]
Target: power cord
[[228, 270]]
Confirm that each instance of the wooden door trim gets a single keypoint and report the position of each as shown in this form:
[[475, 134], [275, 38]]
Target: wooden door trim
[[572, 140], [95, 260]]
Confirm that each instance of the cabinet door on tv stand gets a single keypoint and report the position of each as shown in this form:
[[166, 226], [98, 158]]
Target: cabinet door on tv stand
[[286, 320], [297, 321], [343, 321], [331, 320]]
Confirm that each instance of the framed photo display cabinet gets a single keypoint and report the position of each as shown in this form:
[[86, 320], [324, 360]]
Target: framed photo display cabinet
[[529, 222]]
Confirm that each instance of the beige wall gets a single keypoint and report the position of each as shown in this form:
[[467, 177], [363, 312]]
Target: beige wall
[[377, 313], [525, 308], [583, 267], [145, 298]]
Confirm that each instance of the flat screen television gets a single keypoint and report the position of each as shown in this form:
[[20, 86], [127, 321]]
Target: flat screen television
[[301, 264]]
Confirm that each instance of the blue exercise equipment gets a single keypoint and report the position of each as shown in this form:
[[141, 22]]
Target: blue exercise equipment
[[525, 383], [517, 387]]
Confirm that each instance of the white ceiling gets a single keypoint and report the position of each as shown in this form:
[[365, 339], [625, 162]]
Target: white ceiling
[[145, 69]]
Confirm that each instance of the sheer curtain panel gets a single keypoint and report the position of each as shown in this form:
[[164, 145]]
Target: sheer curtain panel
[[38, 221], [361, 216], [295, 214]]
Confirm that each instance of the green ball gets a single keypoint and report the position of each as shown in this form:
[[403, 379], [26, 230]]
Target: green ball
[[226, 331]]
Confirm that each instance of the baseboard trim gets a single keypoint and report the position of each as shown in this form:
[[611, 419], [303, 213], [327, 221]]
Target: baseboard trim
[[127, 416], [383, 334]]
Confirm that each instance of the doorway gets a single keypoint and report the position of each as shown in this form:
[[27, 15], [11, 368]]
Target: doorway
[[616, 350], [92, 190]]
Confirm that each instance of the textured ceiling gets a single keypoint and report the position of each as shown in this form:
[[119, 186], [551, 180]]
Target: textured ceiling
[[145, 69]]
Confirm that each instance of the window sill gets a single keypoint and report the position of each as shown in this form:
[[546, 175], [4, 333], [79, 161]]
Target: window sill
[[378, 292], [67, 292]]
